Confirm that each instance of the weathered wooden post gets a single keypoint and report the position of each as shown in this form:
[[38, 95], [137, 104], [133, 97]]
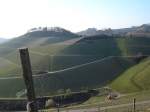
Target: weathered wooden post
[[27, 75], [134, 108]]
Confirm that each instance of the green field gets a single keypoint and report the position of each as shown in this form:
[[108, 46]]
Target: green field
[[134, 79], [65, 54], [76, 63], [90, 75]]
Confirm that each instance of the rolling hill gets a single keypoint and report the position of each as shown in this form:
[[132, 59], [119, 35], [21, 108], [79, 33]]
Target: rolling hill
[[62, 55], [69, 61], [138, 31], [40, 36]]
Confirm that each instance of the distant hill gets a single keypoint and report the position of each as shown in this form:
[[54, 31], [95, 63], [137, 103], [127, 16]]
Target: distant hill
[[94, 31], [39, 36], [143, 30], [89, 32], [48, 32]]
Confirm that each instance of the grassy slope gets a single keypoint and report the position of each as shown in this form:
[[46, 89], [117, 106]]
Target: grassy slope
[[103, 47], [35, 40], [86, 51], [142, 79], [39, 38], [8, 66], [88, 76], [134, 79], [40, 55], [78, 52]]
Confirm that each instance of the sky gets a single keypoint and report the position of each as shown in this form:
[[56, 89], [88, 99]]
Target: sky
[[18, 16]]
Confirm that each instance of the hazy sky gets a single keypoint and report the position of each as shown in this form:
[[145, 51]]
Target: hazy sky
[[17, 16]]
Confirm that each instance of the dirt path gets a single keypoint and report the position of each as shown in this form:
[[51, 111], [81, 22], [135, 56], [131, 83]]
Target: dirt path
[[95, 109]]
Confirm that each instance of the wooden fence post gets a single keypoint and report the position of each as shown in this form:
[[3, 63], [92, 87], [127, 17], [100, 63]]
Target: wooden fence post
[[27, 75], [134, 108]]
